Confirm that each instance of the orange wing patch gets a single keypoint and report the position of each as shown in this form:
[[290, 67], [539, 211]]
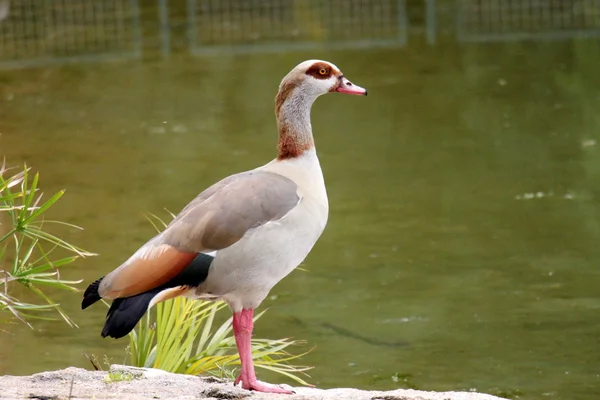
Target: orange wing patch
[[149, 267]]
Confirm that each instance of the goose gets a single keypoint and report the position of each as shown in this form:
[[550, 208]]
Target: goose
[[240, 236]]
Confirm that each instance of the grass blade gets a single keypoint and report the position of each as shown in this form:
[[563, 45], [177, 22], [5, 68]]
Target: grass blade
[[40, 210]]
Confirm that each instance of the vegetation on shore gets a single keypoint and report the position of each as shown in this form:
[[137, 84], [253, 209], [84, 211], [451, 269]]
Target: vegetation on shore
[[31, 256]]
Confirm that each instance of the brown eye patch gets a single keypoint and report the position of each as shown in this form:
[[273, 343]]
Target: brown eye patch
[[319, 70]]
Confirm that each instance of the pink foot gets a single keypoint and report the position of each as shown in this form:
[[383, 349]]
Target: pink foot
[[259, 386], [242, 329]]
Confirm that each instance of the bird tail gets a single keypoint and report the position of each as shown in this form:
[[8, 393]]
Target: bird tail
[[91, 295], [124, 313]]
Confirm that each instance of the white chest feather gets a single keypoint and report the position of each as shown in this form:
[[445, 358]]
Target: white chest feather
[[306, 172], [243, 273]]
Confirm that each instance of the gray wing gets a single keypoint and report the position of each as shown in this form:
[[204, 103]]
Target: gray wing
[[217, 218], [223, 213]]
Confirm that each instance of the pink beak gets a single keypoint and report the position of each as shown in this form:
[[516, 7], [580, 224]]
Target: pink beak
[[348, 87]]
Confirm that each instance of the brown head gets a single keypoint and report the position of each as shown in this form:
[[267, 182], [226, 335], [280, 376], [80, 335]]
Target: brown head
[[297, 91]]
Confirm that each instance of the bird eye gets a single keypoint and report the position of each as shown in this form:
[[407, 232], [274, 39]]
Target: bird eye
[[322, 71]]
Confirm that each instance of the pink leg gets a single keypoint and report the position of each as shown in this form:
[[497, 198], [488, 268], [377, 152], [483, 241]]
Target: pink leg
[[242, 329]]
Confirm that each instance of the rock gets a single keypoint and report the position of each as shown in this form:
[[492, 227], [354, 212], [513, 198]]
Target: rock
[[131, 383]]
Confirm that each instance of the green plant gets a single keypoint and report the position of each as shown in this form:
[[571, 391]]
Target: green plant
[[36, 255], [118, 376], [179, 335]]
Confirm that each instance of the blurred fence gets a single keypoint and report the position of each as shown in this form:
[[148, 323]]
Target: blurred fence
[[40, 32], [505, 20], [280, 25]]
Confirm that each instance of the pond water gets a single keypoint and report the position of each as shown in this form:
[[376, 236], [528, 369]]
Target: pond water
[[462, 246]]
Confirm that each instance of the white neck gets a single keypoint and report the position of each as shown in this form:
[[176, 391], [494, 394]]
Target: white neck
[[293, 122], [295, 111]]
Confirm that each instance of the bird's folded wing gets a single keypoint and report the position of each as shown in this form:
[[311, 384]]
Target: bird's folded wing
[[214, 220]]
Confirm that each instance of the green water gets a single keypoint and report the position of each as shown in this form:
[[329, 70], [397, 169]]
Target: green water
[[436, 271]]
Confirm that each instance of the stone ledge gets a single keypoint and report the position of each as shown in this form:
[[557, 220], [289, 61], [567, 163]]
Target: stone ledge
[[149, 384]]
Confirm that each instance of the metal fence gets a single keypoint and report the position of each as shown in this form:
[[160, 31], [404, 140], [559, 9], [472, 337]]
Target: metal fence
[[506, 20], [40, 32], [277, 25]]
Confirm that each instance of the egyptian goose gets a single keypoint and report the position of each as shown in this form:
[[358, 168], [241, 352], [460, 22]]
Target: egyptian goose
[[243, 234]]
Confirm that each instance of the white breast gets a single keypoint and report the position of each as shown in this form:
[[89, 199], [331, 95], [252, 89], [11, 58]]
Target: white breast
[[306, 172], [244, 273]]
